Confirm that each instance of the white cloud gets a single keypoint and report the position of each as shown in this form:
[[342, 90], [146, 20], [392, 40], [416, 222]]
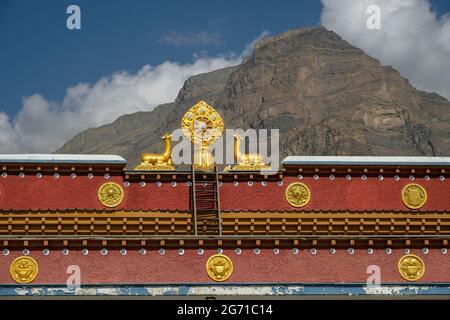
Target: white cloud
[[43, 126], [202, 38], [412, 38]]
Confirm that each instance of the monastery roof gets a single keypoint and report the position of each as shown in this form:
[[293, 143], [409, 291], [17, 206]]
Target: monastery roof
[[62, 158]]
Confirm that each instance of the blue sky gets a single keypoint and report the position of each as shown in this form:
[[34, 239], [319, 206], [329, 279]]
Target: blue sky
[[40, 55]]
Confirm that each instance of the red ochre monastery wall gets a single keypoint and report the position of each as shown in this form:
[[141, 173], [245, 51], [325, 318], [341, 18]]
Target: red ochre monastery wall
[[48, 193]]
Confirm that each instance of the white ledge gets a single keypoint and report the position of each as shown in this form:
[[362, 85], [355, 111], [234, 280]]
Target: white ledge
[[62, 158], [374, 161]]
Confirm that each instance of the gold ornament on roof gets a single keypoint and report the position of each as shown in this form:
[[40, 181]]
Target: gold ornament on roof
[[202, 125], [414, 196], [411, 267], [246, 161], [298, 194], [158, 161], [110, 194], [24, 269], [219, 267]]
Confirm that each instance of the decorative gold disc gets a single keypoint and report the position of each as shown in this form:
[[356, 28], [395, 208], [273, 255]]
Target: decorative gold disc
[[414, 196], [110, 194], [298, 194], [219, 267], [411, 267], [202, 124], [24, 269]]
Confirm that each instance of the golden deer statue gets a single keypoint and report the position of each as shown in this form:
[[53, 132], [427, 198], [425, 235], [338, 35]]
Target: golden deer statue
[[158, 161], [246, 159]]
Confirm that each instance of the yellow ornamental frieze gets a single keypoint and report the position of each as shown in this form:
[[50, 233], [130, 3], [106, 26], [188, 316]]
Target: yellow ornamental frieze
[[414, 196], [110, 194], [298, 194]]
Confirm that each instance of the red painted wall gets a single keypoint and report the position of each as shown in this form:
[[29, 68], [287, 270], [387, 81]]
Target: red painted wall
[[338, 194], [66, 193], [267, 267]]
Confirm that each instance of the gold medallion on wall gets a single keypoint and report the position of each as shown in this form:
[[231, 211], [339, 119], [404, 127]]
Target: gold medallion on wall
[[219, 267], [24, 269], [414, 196], [411, 267], [298, 194], [110, 194]]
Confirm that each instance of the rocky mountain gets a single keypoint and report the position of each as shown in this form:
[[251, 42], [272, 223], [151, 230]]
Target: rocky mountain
[[326, 97]]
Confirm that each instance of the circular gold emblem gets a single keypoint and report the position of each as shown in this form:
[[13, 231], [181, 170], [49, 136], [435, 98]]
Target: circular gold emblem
[[110, 194], [219, 267], [23, 269], [414, 196], [202, 124], [298, 194], [411, 267]]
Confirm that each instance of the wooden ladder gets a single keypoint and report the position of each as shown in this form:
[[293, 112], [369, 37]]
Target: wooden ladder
[[205, 204]]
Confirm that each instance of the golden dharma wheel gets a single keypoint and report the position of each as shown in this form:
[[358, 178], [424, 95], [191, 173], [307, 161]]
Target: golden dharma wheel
[[202, 124]]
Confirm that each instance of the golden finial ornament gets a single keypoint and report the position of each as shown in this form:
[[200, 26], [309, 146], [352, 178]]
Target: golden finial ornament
[[110, 194], [414, 196], [158, 161], [411, 267], [219, 267], [24, 269], [297, 194], [202, 125]]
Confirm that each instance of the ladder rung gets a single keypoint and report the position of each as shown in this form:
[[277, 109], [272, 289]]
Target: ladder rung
[[205, 181]]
